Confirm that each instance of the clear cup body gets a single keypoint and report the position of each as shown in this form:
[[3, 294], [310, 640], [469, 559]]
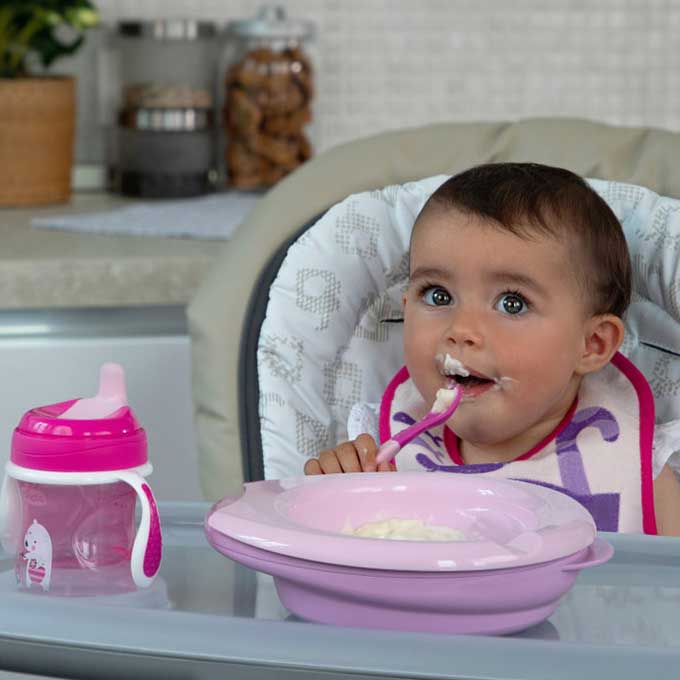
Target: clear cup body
[[75, 540]]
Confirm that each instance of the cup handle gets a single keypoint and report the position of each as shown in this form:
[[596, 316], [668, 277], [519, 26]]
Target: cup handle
[[10, 520], [148, 545]]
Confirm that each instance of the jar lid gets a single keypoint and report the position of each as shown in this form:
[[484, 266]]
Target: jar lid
[[168, 29], [271, 21], [167, 120], [166, 95]]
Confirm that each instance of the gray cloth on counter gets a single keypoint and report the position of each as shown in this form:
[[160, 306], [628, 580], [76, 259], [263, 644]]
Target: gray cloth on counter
[[216, 216]]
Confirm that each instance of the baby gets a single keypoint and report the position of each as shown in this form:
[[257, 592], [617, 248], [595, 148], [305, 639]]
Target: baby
[[519, 276]]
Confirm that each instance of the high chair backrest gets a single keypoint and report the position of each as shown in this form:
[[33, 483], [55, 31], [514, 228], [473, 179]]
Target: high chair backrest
[[239, 355], [326, 342]]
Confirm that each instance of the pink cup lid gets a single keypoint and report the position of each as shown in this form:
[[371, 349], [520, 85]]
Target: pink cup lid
[[83, 435]]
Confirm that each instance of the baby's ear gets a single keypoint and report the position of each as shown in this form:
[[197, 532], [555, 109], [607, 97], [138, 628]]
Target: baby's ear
[[603, 335]]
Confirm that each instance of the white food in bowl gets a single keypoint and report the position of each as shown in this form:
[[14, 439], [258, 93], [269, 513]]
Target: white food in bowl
[[406, 530]]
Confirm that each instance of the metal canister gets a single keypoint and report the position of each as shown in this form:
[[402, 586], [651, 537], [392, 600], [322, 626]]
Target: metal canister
[[166, 125]]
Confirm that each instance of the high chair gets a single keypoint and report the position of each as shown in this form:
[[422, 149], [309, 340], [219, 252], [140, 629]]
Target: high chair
[[291, 326]]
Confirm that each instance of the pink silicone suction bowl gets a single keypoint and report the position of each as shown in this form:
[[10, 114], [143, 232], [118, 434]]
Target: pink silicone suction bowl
[[519, 560], [492, 602]]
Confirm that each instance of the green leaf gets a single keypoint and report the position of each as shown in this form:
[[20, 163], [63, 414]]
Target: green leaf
[[31, 27]]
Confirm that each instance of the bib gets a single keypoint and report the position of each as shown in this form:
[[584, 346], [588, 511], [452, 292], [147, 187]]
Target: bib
[[600, 454]]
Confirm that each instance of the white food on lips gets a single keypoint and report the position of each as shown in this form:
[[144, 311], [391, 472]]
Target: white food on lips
[[451, 366], [406, 530], [445, 396]]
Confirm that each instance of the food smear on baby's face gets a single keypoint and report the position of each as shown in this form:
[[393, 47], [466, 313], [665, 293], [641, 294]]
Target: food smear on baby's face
[[452, 366], [405, 530]]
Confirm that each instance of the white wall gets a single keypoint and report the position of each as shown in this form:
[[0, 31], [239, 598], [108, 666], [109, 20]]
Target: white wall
[[391, 63]]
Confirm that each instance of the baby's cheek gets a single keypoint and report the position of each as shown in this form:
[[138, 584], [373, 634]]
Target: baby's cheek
[[533, 399], [411, 354], [420, 369]]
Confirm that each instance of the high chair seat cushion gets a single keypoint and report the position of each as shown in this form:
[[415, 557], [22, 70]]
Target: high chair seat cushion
[[326, 342], [225, 301]]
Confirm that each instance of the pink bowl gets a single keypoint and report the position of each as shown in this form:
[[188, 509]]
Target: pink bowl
[[525, 547], [490, 602]]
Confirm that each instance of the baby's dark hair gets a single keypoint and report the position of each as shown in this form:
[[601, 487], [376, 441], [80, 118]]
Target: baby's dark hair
[[529, 198]]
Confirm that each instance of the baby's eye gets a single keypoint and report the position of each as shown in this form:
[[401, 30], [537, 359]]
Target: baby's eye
[[512, 303], [436, 296]]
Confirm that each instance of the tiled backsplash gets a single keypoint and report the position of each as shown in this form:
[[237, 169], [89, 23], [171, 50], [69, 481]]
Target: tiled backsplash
[[385, 64]]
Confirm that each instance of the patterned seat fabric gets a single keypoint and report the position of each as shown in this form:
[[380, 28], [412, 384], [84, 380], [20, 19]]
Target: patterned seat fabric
[[327, 343]]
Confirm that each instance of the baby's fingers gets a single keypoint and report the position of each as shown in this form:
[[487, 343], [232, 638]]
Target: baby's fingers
[[313, 467], [356, 456], [349, 457], [329, 461], [367, 450], [387, 466]]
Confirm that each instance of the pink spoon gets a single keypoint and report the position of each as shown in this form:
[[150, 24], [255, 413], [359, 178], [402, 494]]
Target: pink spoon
[[390, 448]]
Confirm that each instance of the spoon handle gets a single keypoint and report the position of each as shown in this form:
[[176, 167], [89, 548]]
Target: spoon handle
[[391, 447]]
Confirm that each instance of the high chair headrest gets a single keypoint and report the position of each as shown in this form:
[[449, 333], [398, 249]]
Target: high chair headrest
[[651, 224], [327, 341]]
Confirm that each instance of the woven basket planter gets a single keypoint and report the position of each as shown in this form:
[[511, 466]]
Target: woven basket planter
[[37, 123]]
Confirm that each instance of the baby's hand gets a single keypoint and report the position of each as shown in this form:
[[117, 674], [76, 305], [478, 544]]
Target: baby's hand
[[356, 456]]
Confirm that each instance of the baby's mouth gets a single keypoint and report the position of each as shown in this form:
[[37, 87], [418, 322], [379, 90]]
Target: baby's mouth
[[471, 380], [473, 383]]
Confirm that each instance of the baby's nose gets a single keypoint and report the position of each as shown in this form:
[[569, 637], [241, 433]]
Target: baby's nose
[[465, 330]]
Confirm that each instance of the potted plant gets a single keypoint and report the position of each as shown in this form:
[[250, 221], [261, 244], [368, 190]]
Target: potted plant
[[37, 111]]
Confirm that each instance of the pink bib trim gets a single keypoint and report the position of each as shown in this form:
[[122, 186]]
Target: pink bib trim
[[385, 403], [646, 402]]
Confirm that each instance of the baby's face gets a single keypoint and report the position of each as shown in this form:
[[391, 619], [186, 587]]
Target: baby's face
[[509, 309]]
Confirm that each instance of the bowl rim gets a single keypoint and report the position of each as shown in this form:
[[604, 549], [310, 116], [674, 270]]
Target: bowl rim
[[564, 527]]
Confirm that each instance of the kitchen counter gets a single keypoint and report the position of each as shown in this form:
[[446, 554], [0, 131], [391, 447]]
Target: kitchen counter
[[46, 268]]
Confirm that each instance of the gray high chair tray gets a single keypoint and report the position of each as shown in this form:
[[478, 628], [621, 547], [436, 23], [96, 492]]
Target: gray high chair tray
[[207, 617]]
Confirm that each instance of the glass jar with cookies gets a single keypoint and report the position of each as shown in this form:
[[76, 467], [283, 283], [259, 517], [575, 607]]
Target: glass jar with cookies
[[266, 98]]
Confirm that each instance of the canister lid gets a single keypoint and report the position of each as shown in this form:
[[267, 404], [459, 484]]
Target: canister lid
[[167, 120], [168, 29], [271, 21]]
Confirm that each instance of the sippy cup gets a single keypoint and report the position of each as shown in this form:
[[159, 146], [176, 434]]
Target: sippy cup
[[67, 509]]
